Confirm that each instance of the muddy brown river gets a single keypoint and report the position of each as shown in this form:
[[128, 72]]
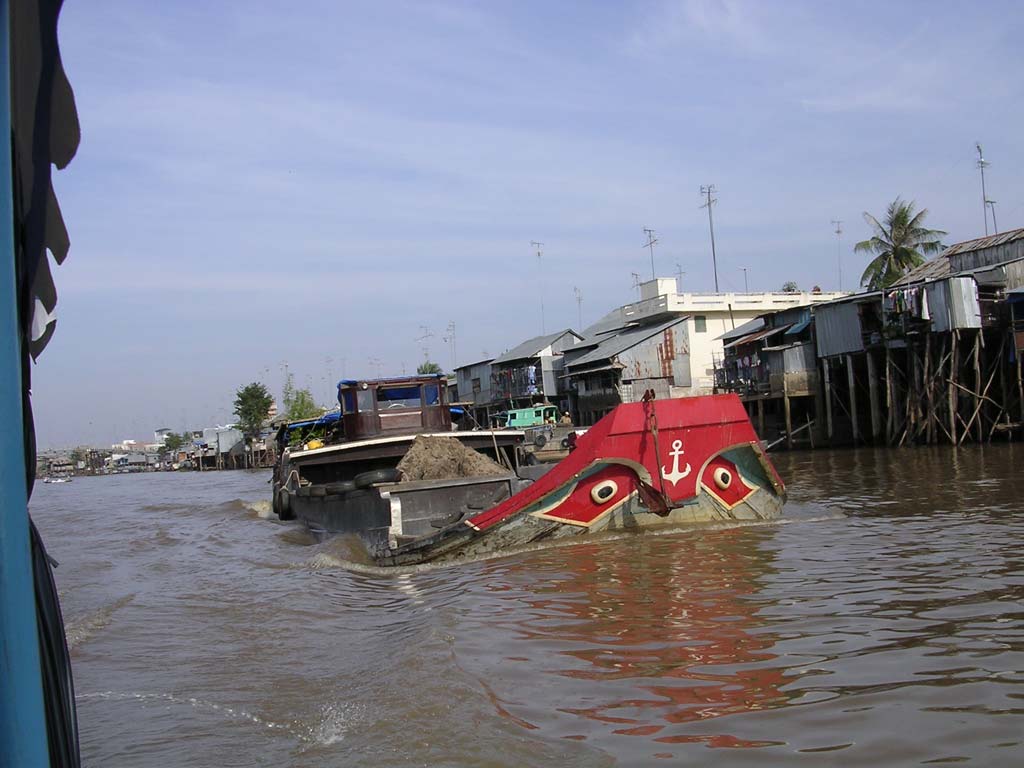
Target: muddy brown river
[[880, 622]]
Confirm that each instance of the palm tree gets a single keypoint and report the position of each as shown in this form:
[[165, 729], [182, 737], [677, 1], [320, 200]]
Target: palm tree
[[898, 245]]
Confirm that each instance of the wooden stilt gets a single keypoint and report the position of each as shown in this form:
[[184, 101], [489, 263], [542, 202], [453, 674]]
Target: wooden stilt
[[1020, 390], [760, 417], [889, 399], [826, 365], [853, 398], [926, 387], [876, 411], [954, 364], [789, 419], [977, 384]]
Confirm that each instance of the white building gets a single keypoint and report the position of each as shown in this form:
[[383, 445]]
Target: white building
[[666, 341]]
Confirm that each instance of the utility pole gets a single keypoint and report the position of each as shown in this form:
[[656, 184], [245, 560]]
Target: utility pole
[[708, 191], [982, 163], [995, 227], [374, 363], [579, 307], [839, 249], [651, 240], [746, 288], [679, 277], [540, 284], [449, 338], [636, 284]]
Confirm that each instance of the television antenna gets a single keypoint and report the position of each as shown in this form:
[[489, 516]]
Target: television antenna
[[540, 283], [839, 249], [651, 240], [707, 191], [423, 338]]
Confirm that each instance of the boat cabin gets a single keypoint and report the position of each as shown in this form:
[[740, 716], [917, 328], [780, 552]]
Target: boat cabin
[[535, 416], [404, 405]]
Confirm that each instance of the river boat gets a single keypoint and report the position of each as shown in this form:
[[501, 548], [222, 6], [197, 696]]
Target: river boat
[[647, 464], [329, 467]]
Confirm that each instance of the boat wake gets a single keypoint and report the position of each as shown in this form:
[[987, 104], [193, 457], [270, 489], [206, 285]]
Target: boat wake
[[329, 728], [261, 509], [81, 628], [348, 553]]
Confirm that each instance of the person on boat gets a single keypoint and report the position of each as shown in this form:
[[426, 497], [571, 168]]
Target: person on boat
[[566, 420]]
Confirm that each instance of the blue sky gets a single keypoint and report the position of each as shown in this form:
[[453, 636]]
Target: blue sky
[[310, 183]]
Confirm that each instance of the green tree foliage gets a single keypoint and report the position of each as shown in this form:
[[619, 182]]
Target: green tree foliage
[[251, 405], [173, 442], [790, 287], [298, 403], [899, 244], [428, 367]]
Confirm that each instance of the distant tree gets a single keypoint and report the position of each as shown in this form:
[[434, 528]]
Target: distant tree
[[251, 405], [77, 455], [899, 244], [298, 403], [173, 442], [428, 367], [790, 287]]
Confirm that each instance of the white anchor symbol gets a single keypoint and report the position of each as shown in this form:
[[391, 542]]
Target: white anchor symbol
[[675, 475]]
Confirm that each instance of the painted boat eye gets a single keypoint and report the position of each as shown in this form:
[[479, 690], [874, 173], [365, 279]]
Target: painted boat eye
[[601, 492], [723, 478]]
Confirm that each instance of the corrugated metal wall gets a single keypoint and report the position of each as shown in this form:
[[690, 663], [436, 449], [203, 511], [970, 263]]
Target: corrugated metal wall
[[964, 311], [986, 256], [800, 358], [938, 305], [664, 355], [838, 329]]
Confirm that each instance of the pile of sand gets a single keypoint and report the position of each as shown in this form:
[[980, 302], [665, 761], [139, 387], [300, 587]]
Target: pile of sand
[[445, 458]]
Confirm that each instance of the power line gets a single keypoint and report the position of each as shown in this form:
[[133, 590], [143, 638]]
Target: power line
[[708, 191], [651, 240]]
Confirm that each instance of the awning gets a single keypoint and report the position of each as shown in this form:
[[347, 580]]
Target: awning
[[798, 328], [598, 369], [755, 337]]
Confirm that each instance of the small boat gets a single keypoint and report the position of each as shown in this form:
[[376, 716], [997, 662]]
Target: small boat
[[58, 479], [646, 464]]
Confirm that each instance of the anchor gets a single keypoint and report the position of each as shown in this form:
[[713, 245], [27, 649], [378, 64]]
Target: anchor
[[675, 475]]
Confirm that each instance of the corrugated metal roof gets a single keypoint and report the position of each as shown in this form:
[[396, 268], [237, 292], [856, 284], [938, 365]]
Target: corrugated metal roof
[[470, 365], [531, 347], [933, 269], [742, 330], [984, 242], [620, 342]]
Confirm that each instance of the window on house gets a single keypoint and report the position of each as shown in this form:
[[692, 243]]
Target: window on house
[[700, 324], [476, 386]]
